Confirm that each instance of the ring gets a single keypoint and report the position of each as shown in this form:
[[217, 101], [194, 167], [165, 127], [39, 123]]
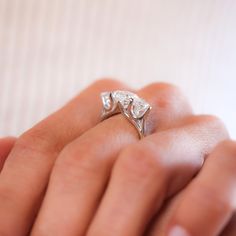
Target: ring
[[128, 104]]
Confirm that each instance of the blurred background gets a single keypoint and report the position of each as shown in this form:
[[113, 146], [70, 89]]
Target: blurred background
[[51, 49]]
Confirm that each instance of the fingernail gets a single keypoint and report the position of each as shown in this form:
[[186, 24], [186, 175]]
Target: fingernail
[[178, 231]]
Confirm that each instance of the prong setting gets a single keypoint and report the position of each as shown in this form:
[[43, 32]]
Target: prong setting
[[127, 103]]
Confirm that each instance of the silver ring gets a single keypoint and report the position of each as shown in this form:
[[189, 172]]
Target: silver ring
[[129, 104]]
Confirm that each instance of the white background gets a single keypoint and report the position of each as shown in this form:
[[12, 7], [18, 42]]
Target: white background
[[51, 49]]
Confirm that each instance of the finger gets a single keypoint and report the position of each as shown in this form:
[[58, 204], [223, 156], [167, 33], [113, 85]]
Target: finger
[[82, 170], [210, 197], [6, 145], [148, 172], [170, 107], [160, 221], [26, 170]]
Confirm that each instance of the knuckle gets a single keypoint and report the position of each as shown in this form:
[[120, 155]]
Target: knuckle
[[140, 161], [228, 147], [107, 82], [169, 97], [210, 120], [166, 89], [213, 125], [38, 140]]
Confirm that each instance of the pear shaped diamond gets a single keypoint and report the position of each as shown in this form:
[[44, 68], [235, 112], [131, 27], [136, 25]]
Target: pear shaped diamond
[[106, 100], [123, 97], [139, 108]]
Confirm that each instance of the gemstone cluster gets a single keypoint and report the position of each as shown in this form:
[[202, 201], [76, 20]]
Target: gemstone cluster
[[138, 106]]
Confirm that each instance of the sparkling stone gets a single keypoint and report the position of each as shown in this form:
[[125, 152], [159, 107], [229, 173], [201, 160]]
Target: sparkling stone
[[133, 107], [106, 100], [139, 108], [124, 97]]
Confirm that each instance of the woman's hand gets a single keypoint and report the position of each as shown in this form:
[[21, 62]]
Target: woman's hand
[[76, 166]]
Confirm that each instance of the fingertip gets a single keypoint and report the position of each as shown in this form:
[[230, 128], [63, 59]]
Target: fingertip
[[178, 231]]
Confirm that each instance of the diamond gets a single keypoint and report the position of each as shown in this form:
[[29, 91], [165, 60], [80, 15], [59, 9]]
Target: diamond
[[129, 104], [124, 97], [106, 100], [139, 108]]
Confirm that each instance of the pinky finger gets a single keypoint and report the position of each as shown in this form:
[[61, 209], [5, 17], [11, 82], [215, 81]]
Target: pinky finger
[[210, 200], [6, 145]]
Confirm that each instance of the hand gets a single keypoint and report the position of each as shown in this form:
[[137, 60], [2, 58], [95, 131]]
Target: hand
[[173, 207], [102, 167]]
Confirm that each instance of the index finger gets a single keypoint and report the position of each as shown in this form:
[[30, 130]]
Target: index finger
[[26, 170]]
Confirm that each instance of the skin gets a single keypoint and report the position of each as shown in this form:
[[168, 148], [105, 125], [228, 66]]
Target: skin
[[208, 200], [214, 201], [74, 175], [6, 145]]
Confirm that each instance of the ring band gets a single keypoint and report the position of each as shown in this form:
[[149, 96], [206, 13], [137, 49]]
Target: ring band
[[128, 104]]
